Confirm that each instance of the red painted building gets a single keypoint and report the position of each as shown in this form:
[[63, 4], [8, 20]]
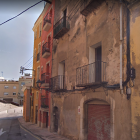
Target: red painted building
[[45, 65]]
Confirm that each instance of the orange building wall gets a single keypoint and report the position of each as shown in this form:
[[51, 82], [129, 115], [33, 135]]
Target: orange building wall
[[26, 105], [36, 63]]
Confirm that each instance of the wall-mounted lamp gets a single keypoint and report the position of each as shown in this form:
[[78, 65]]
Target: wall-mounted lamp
[[38, 82], [128, 92]]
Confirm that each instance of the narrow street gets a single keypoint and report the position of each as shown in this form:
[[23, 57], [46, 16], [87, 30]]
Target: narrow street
[[13, 131], [9, 124]]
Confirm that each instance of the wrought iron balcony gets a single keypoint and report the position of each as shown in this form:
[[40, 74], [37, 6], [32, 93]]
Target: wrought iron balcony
[[44, 102], [58, 83], [45, 79], [47, 22], [91, 74], [38, 57], [89, 6], [46, 50], [61, 28]]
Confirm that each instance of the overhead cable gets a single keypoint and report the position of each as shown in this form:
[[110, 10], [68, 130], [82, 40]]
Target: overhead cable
[[21, 12]]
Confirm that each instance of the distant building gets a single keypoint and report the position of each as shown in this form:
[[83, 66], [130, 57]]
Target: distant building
[[2, 79], [22, 81], [27, 102], [9, 91]]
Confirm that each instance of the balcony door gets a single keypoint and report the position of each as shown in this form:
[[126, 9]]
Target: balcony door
[[49, 43], [46, 119], [98, 59], [50, 16], [61, 75], [47, 72], [36, 114]]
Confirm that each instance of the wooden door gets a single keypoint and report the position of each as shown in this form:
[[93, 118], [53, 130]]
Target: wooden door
[[98, 59], [47, 119]]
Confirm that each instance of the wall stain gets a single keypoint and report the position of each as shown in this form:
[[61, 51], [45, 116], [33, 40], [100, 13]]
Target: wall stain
[[137, 129]]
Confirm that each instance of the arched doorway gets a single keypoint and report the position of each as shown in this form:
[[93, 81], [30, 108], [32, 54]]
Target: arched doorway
[[97, 113], [55, 118]]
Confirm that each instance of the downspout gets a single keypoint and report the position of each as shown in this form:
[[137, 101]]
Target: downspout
[[121, 87], [128, 48]]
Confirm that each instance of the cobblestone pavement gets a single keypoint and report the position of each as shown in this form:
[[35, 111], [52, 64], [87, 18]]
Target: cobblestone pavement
[[43, 133]]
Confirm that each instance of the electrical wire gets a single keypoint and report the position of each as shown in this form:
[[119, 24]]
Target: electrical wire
[[21, 12], [27, 61], [29, 64]]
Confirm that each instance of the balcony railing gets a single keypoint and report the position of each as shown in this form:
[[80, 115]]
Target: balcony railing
[[89, 6], [58, 83], [44, 102], [61, 28], [45, 80], [46, 50], [47, 18], [91, 74], [38, 57], [47, 22]]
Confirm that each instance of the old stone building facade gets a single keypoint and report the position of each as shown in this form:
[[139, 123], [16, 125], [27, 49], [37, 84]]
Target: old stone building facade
[[91, 70], [135, 62]]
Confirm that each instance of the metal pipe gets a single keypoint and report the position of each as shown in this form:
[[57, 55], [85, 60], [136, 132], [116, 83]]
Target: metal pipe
[[121, 87]]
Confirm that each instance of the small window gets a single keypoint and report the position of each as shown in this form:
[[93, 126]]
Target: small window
[[40, 29], [22, 83], [14, 87], [14, 93], [5, 93], [6, 87], [34, 53], [35, 34]]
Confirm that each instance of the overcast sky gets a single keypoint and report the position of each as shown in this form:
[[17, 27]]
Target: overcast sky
[[17, 36]]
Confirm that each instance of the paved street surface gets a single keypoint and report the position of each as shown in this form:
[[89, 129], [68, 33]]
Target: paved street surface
[[13, 126], [10, 125]]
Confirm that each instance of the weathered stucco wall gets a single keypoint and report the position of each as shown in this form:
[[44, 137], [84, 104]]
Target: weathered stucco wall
[[71, 123], [100, 27], [135, 61]]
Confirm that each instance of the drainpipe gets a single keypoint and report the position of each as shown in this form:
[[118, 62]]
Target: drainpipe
[[128, 52], [121, 87]]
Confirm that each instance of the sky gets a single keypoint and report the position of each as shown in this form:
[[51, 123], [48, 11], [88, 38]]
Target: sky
[[17, 36]]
